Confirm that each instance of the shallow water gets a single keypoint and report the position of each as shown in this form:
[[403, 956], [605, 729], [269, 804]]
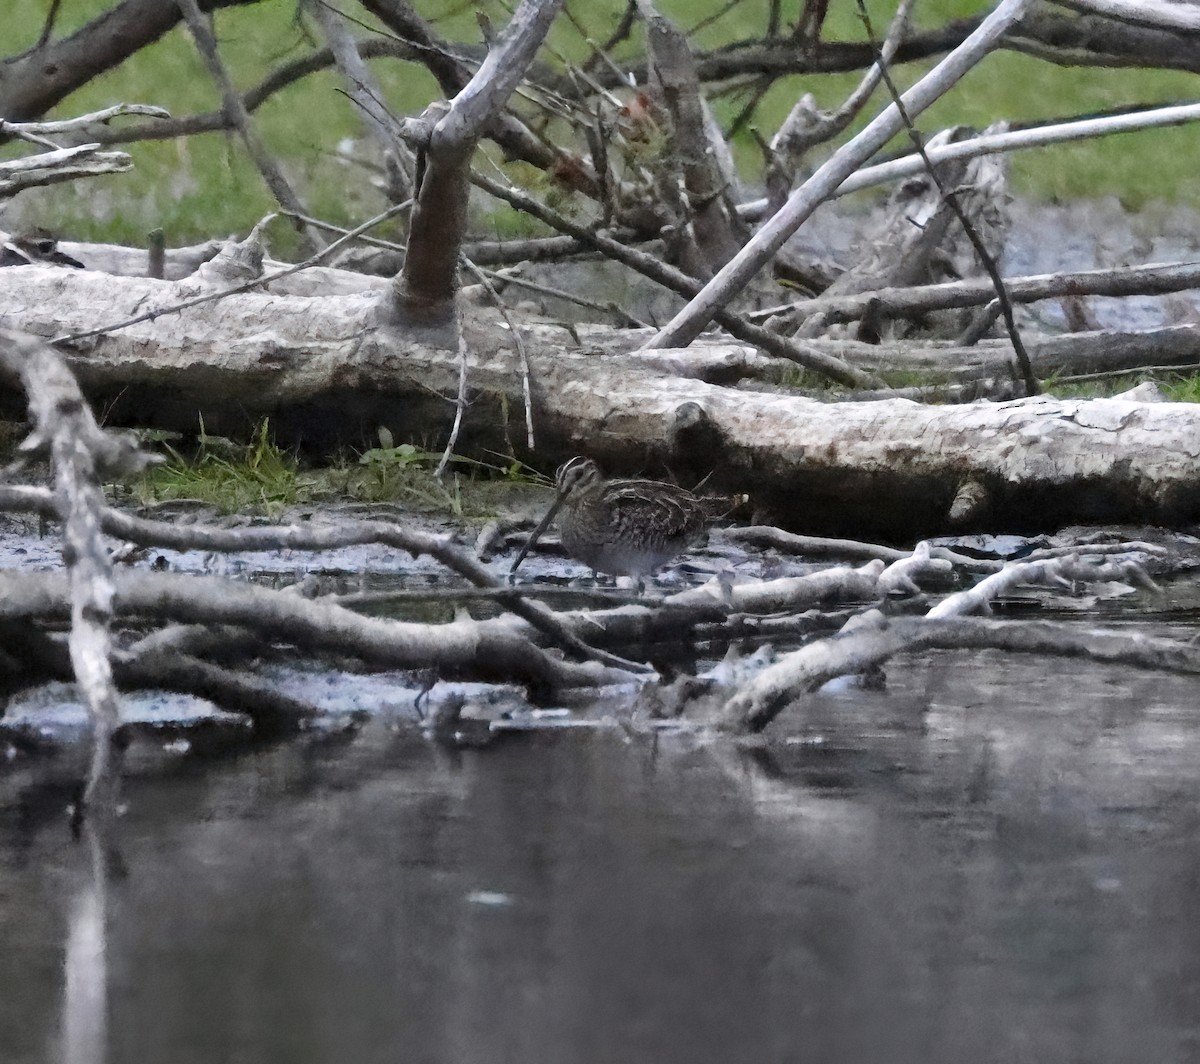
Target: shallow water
[[994, 860]]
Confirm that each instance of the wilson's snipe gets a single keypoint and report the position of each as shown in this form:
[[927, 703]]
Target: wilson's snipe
[[622, 527]]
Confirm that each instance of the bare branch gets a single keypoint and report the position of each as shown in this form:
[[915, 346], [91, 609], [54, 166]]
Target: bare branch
[[689, 322], [1161, 14], [33, 83], [827, 365], [424, 290], [364, 90], [868, 640], [80, 454], [63, 164], [1155, 278], [522, 352], [951, 199], [495, 649], [83, 122], [206, 45], [807, 126]]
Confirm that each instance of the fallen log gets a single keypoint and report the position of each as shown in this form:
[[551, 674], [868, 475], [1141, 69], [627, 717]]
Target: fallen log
[[330, 371], [1097, 351]]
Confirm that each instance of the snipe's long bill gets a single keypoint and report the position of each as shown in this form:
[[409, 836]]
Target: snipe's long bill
[[620, 527]]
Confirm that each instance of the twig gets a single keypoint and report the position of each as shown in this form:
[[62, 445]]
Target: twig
[[522, 352], [381, 124], [677, 281], [61, 164], [206, 45], [1079, 378], [253, 98], [622, 31], [950, 198], [341, 230], [44, 37], [71, 125], [806, 126], [460, 404], [716, 16], [48, 27], [758, 89], [624, 318]]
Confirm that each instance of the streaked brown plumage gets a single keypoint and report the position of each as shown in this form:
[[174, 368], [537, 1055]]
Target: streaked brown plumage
[[622, 527]]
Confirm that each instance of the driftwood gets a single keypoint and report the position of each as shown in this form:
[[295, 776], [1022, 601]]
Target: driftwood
[[80, 455]]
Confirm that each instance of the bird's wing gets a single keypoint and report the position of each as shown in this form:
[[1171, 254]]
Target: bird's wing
[[673, 511]]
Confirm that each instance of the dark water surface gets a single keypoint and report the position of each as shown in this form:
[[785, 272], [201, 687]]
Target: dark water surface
[[995, 860]]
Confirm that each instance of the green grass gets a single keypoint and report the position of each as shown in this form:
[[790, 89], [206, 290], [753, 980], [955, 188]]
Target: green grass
[[262, 478], [206, 185], [232, 477], [1180, 387], [1185, 389]]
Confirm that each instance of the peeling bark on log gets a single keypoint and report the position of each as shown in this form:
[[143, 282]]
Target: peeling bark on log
[[328, 373]]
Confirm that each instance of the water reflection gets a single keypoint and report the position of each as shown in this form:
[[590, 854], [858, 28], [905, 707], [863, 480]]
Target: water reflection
[[977, 865], [85, 965]]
